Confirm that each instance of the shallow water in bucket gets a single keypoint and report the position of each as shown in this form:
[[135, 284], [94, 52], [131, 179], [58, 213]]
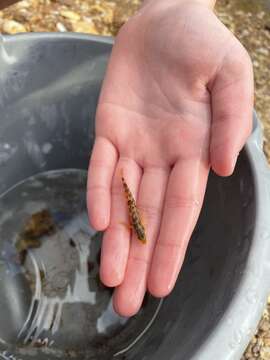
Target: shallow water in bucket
[[52, 301]]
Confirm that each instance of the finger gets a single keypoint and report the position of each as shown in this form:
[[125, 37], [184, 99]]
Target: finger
[[232, 106], [129, 295], [116, 240], [101, 168], [183, 202]]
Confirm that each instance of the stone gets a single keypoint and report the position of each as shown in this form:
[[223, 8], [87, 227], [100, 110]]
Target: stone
[[23, 4], [266, 341], [13, 27], [264, 325], [60, 27], [265, 353], [85, 27], [71, 15]]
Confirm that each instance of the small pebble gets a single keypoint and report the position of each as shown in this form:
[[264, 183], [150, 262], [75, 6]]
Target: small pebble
[[60, 27], [266, 341], [84, 27], [71, 15], [264, 325], [256, 63], [23, 4], [256, 349], [263, 51], [13, 27], [265, 353]]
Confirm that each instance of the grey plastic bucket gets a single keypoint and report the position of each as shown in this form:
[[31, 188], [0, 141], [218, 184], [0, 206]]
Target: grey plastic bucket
[[49, 87]]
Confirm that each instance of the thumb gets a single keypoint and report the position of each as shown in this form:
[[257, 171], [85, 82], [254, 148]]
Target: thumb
[[232, 106]]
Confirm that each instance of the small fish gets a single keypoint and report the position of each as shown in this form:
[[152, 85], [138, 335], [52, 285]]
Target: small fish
[[134, 215]]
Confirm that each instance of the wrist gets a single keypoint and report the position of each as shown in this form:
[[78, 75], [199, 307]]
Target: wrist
[[208, 3]]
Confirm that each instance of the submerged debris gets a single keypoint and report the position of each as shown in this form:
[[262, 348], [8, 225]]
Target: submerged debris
[[27, 243], [72, 243], [39, 224]]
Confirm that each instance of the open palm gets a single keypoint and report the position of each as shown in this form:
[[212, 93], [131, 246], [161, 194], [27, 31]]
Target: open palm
[[176, 100]]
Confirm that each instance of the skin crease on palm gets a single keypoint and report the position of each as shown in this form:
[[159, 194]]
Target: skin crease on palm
[[176, 100]]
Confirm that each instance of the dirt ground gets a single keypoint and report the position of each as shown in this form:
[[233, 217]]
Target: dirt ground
[[249, 20]]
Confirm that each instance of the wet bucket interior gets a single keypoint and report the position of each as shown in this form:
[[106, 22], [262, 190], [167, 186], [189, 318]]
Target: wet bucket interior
[[52, 304]]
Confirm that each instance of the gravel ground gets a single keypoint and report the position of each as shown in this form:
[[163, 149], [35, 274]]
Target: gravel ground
[[248, 19]]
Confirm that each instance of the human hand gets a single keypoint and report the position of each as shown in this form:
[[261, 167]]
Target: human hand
[[176, 100]]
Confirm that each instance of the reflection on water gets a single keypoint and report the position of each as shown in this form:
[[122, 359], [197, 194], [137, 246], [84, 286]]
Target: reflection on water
[[52, 298]]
